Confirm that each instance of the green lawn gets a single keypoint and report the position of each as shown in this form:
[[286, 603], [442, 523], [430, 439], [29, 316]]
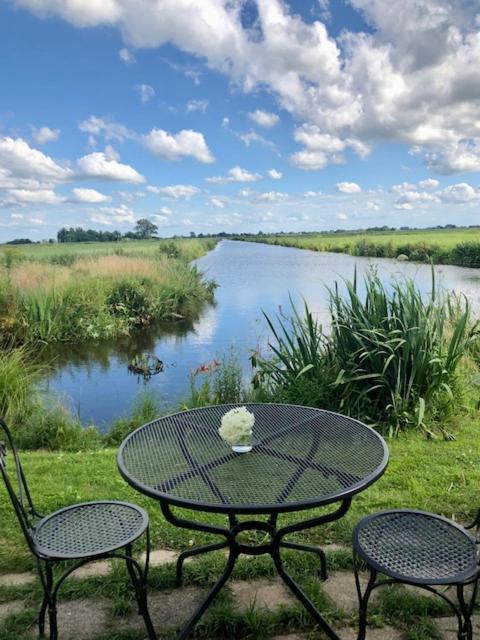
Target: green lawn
[[435, 475]]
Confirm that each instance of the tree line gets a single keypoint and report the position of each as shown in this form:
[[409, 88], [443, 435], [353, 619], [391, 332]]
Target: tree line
[[143, 230]]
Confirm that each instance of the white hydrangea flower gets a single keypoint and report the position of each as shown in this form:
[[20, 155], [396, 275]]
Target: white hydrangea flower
[[236, 425]]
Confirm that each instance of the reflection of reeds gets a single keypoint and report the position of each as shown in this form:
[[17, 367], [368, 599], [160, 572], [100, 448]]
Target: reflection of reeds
[[86, 296]]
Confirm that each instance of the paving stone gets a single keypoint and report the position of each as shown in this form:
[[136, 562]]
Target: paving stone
[[168, 608], [93, 569], [16, 579], [159, 557], [8, 608], [340, 588], [382, 633], [449, 627], [263, 593], [291, 636], [80, 619]]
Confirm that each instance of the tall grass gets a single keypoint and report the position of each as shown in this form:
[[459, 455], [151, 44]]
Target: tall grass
[[18, 375], [97, 297], [390, 357]]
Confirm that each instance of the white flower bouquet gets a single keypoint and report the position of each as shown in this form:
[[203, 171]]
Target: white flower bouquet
[[237, 429]]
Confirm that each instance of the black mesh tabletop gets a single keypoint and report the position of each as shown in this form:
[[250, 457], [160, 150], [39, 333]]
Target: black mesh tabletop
[[301, 457]]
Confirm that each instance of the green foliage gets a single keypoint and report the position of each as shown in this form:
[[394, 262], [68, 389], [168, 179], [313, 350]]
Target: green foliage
[[218, 382], [389, 358], [144, 410], [129, 299], [18, 375]]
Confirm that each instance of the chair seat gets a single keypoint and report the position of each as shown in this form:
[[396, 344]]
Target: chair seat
[[89, 529], [416, 547]]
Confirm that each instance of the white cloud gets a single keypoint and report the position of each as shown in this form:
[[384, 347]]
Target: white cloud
[[413, 77], [145, 92], [37, 222], [166, 211], [460, 193], [126, 55], [274, 174], [45, 134], [341, 216], [96, 126], [236, 174], [186, 143], [197, 105], [217, 203], [264, 118], [41, 196], [410, 198], [430, 183], [349, 187], [309, 160], [99, 165], [312, 194], [175, 191], [272, 196], [110, 215], [19, 160], [91, 196]]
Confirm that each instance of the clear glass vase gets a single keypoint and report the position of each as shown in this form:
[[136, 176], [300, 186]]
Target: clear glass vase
[[244, 445]]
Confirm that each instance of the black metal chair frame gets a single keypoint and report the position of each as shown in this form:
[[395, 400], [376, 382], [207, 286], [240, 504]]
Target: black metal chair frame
[[30, 519], [463, 610]]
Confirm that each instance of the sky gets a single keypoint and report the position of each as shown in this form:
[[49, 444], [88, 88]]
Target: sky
[[239, 115]]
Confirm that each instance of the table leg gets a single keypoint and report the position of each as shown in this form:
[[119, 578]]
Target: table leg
[[310, 549], [273, 549], [196, 551]]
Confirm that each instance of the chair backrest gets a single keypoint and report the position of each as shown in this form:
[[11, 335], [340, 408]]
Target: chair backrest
[[16, 483]]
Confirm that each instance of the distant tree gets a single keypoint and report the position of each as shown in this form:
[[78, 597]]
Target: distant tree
[[144, 229], [19, 241]]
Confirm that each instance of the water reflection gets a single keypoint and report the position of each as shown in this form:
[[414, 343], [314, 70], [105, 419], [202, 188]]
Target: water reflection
[[95, 380]]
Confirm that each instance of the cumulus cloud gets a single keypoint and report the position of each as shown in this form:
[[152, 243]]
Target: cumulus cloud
[[460, 193], [91, 196], [45, 134], [274, 174], [145, 92], [186, 143], [18, 159], [99, 165], [430, 183], [312, 194], [349, 187], [264, 118], [175, 191], [236, 174], [413, 77], [38, 196]]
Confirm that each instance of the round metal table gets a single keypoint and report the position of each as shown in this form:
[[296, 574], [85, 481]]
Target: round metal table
[[301, 458]]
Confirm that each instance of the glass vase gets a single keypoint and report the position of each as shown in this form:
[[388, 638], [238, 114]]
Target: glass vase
[[244, 445]]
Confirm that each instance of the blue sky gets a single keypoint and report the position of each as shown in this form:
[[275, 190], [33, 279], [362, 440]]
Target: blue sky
[[238, 116]]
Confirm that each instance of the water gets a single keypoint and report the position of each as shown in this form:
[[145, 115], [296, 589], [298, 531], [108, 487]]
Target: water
[[94, 379]]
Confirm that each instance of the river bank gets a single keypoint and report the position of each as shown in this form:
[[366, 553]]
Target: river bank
[[459, 247]]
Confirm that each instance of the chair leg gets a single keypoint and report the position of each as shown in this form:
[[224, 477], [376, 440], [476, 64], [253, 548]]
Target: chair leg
[[139, 582], [41, 616], [465, 630], [363, 598], [52, 604]]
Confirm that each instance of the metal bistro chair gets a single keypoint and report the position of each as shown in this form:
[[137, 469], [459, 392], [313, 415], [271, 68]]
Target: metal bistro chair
[[421, 549], [81, 533]]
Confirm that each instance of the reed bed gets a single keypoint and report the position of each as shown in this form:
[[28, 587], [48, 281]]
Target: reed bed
[[391, 357], [83, 295]]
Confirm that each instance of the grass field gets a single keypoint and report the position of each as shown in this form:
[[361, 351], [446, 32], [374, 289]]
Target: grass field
[[83, 291], [442, 246]]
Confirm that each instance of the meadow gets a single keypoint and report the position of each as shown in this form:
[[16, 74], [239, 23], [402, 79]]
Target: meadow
[[95, 291], [459, 247]]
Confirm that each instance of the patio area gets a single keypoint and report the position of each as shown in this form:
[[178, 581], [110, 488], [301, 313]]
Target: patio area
[[253, 605]]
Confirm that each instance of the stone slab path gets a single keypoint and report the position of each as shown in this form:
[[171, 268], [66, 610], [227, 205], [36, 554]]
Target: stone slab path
[[89, 618]]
